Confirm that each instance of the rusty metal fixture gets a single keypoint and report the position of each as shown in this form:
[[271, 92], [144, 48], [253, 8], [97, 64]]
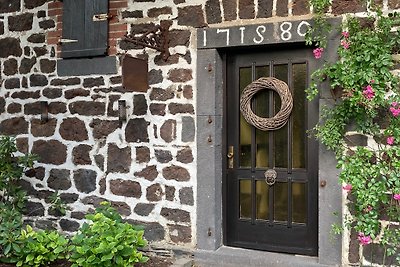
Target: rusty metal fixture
[[157, 38], [134, 74]]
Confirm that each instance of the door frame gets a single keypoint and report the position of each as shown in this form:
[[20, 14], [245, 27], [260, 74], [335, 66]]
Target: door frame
[[210, 91]]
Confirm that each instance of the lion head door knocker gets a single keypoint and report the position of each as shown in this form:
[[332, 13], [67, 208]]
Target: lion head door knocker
[[270, 176]]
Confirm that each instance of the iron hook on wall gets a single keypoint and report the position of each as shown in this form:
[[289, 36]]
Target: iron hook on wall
[[44, 107], [156, 38], [121, 112]]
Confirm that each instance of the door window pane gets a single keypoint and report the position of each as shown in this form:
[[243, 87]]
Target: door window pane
[[281, 201], [299, 197], [280, 136], [262, 203], [298, 115], [245, 199], [262, 110], [245, 128]]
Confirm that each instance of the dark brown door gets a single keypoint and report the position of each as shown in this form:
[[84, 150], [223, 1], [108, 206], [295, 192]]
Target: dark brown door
[[282, 217]]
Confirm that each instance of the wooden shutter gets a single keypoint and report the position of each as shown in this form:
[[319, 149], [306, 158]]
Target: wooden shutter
[[82, 36]]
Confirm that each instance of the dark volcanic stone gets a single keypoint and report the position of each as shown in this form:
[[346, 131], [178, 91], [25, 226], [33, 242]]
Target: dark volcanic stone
[[10, 47], [38, 80], [154, 192], [168, 131], [34, 209], [163, 156], [139, 105], [73, 129], [213, 11], [175, 215], [21, 22], [47, 66], [69, 225], [125, 188], [7, 6], [26, 65], [59, 179], [14, 108], [180, 233], [39, 128], [14, 126], [51, 152], [191, 16], [176, 173], [150, 173], [119, 159], [87, 108], [47, 24], [52, 93], [10, 67], [142, 154], [37, 38], [136, 130], [85, 180], [186, 196], [80, 155], [143, 209], [102, 128]]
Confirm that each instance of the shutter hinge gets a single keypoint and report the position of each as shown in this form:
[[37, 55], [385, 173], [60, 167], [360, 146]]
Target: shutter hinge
[[102, 17], [67, 41]]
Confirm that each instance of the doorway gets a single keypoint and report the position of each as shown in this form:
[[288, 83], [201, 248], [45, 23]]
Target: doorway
[[282, 216]]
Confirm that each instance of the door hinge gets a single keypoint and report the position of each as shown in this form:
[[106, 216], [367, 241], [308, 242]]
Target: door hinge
[[67, 41], [102, 17]]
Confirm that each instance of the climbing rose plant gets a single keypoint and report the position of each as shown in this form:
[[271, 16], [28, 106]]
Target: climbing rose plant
[[364, 83]]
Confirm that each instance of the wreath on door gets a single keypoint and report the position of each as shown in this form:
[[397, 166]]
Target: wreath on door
[[267, 83]]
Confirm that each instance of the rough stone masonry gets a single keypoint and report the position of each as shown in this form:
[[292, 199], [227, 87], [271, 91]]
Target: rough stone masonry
[[146, 168]]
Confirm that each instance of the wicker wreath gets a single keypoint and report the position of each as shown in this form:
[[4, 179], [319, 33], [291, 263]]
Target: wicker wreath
[[280, 119]]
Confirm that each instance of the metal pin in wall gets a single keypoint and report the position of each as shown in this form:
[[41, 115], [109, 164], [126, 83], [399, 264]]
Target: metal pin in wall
[[44, 107], [121, 112]]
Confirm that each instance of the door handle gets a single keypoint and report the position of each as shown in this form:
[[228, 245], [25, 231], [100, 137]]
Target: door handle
[[230, 157]]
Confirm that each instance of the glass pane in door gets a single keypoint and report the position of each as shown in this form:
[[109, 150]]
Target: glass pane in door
[[262, 110], [299, 198], [280, 136], [281, 201], [298, 115], [245, 199], [245, 78], [262, 203]]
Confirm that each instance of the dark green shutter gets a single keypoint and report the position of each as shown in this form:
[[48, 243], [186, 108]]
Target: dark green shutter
[[78, 24]]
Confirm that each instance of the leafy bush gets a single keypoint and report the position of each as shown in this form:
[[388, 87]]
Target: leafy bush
[[367, 100], [10, 232], [41, 247], [107, 241], [12, 197], [12, 168]]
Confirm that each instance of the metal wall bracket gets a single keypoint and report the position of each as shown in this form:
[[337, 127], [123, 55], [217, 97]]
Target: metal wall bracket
[[157, 38], [121, 112], [44, 108]]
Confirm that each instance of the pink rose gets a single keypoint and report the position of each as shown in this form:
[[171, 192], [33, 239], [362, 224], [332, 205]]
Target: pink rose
[[390, 140], [395, 109], [369, 92], [396, 196], [364, 240], [346, 34], [345, 44], [318, 52], [347, 187]]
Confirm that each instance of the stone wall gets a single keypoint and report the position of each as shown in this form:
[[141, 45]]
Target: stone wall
[[146, 167]]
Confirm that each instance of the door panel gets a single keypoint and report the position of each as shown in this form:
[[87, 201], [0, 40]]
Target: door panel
[[282, 217]]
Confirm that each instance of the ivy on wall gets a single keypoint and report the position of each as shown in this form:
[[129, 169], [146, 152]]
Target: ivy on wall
[[364, 83]]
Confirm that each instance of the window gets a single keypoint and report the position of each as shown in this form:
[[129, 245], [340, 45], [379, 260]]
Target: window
[[84, 28]]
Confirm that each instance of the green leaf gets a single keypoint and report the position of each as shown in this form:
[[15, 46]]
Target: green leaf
[[7, 249]]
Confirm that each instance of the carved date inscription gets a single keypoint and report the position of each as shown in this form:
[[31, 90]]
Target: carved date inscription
[[269, 33]]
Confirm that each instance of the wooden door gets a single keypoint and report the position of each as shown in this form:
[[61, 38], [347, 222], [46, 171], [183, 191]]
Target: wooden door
[[282, 217]]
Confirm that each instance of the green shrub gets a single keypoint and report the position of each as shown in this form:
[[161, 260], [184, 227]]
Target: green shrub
[[10, 232], [12, 197], [107, 241], [40, 248]]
